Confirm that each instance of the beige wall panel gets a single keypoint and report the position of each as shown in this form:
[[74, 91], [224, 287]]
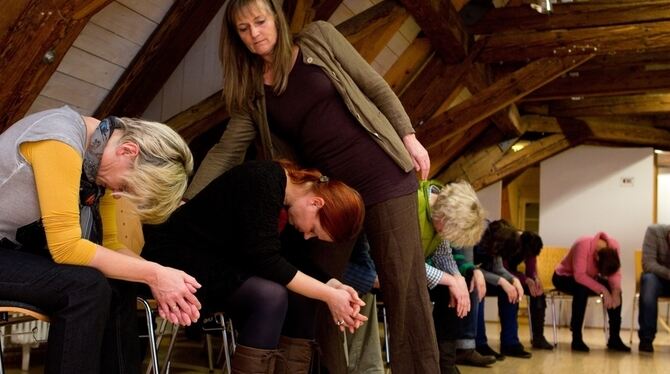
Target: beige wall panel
[[106, 44], [44, 103], [125, 22], [172, 98], [89, 68], [74, 92], [155, 10]]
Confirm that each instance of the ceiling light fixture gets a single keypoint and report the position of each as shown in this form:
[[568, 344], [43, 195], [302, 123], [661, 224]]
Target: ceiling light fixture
[[542, 6]]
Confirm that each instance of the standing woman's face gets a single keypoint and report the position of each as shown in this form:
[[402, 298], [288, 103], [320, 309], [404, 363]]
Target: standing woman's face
[[256, 27]]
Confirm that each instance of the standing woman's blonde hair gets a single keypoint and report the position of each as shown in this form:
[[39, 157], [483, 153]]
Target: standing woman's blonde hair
[[461, 214], [243, 70], [160, 172]]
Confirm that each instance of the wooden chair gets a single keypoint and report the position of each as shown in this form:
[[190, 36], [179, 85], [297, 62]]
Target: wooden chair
[[636, 297], [13, 312], [546, 263]]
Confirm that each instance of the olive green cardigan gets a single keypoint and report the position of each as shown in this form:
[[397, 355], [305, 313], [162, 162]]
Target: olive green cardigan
[[366, 94]]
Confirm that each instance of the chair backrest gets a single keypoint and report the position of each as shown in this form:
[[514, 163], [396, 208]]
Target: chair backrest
[[638, 268], [546, 263]]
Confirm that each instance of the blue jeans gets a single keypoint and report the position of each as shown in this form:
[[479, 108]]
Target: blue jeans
[[507, 312], [91, 318], [651, 288]]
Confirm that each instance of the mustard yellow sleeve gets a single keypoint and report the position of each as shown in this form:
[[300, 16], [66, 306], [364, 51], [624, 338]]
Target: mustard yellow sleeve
[[57, 169], [109, 227]]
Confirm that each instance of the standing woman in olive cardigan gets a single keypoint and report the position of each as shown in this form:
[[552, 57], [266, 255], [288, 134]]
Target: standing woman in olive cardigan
[[317, 94]]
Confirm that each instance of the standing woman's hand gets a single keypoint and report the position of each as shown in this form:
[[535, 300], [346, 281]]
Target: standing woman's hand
[[419, 155]]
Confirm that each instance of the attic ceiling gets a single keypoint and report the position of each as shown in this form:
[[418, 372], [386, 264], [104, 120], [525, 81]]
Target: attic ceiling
[[479, 76]]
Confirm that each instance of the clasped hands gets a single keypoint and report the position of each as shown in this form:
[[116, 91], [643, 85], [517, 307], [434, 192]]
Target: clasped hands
[[345, 306], [174, 291]]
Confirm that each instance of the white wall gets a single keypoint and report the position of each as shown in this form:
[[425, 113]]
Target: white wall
[[491, 199], [663, 195], [581, 193]]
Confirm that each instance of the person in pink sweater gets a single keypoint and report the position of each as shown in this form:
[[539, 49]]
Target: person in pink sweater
[[592, 267]]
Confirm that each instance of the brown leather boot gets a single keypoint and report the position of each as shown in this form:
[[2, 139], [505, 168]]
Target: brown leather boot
[[247, 360], [298, 354]]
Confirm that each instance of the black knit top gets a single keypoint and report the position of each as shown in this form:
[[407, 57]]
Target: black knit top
[[228, 232]]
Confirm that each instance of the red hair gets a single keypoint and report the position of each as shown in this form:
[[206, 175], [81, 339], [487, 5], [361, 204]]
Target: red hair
[[343, 211]]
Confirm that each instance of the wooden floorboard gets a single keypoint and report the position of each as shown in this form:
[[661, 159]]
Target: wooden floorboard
[[191, 357]]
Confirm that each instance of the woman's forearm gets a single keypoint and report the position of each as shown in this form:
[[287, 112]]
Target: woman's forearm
[[123, 266], [307, 286]]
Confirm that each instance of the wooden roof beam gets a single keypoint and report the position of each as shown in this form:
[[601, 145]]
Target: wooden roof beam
[[606, 82], [31, 31], [435, 83], [408, 64], [604, 106], [570, 16], [199, 118], [495, 97], [493, 163], [370, 30], [158, 58], [602, 129], [440, 21], [626, 39]]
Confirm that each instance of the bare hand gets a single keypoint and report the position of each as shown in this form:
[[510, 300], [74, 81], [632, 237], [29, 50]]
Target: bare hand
[[345, 306], [420, 157], [460, 297], [533, 287], [510, 290], [478, 283], [519, 288], [174, 291]]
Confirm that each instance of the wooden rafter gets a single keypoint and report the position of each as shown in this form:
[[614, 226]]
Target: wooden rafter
[[199, 118], [408, 64], [570, 16], [440, 21], [496, 97], [492, 163], [158, 58], [606, 82], [370, 30], [603, 129], [444, 153], [604, 106], [325, 9], [298, 13], [32, 30], [623, 39]]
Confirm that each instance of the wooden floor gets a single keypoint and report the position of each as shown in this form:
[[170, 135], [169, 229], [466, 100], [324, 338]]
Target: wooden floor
[[191, 357]]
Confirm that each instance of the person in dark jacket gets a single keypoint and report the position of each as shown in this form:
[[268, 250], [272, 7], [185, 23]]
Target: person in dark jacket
[[233, 237]]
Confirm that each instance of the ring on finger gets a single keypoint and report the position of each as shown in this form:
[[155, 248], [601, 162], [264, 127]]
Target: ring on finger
[[339, 323]]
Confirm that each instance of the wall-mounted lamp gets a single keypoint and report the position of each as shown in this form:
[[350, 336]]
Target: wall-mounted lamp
[[542, 6]]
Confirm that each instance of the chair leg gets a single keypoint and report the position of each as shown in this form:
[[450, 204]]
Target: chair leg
[[151, 335], [208, 340], [2, 347], [530, 324], [636, 298], [386, 336], [554, 320], [168, 355], [606, 329]]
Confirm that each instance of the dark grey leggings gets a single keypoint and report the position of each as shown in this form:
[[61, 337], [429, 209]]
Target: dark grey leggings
[[263, 310]]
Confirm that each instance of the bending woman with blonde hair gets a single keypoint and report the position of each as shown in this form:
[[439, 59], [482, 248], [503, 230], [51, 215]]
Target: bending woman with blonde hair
[[234, 237], [60, 172]]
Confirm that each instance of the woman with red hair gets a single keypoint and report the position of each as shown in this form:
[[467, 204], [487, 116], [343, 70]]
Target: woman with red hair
[[233, 236]]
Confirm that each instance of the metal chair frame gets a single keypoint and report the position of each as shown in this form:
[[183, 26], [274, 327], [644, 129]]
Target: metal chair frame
[[28, 313], [225, 325]]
